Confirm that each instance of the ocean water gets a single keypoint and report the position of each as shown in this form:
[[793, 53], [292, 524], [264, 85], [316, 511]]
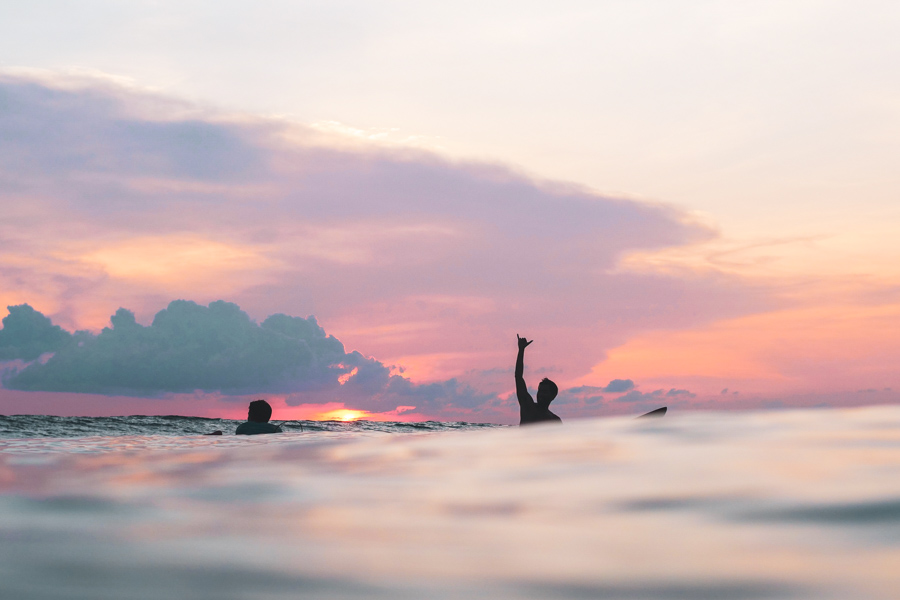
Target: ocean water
[[42, 433], [794, 504]]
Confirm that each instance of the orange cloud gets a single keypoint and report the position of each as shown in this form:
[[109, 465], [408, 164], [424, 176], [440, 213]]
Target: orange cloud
[[823, 348], [174, 259]]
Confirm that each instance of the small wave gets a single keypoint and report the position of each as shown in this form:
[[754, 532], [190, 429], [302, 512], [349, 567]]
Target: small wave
[[47, 426], [851, 513]]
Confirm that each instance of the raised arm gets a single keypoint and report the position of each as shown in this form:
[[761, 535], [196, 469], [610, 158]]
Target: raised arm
[[522, 389]]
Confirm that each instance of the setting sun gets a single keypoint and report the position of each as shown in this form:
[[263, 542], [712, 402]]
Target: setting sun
[[343, 414]]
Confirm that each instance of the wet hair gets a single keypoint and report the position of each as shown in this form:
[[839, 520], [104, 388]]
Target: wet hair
[[550, 390], [259, 412]]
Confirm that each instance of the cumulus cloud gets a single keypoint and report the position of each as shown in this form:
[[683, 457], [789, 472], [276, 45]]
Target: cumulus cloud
[[190, 347], [27, 334]]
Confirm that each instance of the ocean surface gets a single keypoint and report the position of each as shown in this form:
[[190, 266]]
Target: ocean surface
[[725, 506], [41, 433]]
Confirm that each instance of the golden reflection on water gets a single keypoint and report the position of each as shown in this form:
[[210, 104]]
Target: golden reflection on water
[[765, 505]]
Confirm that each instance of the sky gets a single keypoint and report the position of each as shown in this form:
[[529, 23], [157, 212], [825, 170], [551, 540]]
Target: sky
[[684, 204]]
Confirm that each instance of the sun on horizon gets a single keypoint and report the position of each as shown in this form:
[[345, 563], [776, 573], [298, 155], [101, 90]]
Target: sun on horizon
[[342, 414]]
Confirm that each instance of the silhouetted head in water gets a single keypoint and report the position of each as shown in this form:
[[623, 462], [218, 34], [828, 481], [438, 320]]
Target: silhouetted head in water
[[260, 412], [547, 391]]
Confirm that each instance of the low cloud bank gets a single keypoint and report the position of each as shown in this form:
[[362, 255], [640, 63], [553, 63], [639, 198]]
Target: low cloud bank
[[620, 395], [638, 397], [190, 347], [615, 386], [218, 348]]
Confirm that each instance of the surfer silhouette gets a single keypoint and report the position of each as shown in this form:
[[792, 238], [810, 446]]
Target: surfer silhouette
[[529, 410], [258, 415]]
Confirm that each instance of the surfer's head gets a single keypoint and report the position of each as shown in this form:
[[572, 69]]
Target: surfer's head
[[547, 391], [260, 412]]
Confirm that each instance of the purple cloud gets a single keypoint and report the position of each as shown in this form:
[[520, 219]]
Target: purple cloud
[[117, 196]]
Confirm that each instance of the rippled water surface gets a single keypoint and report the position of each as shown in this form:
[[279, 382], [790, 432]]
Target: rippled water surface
[[726, 506], [43, 426]]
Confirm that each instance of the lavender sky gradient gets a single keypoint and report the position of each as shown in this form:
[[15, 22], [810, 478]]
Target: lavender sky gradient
[[358, 162]]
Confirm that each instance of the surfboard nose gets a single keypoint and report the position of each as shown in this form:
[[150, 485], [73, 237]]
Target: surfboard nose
[[655, 413]]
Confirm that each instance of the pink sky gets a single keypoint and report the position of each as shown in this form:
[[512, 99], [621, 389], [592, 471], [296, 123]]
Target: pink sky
[[116, 197]]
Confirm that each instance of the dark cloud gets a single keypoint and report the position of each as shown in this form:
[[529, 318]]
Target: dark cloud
[[191, 347], [586, 400], [671, 394], [638, 396], [588, 395], [619, 385], [581, 396], [616, 386], [590, 400], [27, 334], [219, 348], [585, 389]]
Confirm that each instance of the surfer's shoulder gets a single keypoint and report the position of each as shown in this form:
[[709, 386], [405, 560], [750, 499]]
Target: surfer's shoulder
[[255, 428]]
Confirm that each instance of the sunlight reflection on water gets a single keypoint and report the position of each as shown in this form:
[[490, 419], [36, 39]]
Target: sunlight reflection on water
[[799, 504]]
